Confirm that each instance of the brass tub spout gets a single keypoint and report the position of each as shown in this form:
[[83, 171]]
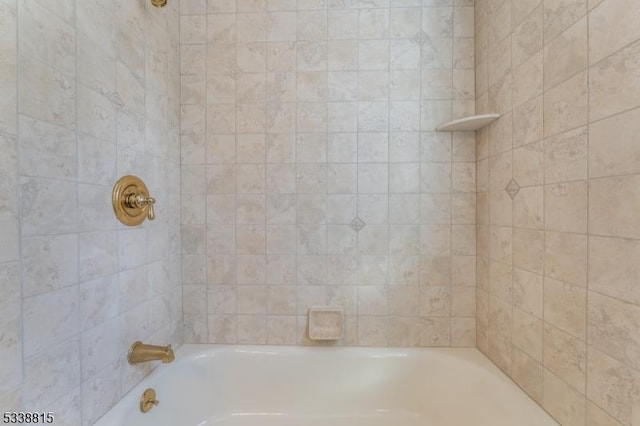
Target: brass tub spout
[[141, 352]]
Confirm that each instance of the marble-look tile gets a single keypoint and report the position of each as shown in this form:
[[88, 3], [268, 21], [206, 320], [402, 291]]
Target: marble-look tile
[[613, 83], [463, 332], [48, 95], [529, 249], [611, 151], [611, 27], [527, 373], [99, 393], [68, 409], [434, 332], [501, 12], [10, 344], [528, 79], [49, 263], [98, 301], [565, 156], [566, 55], [566, 257], [565, 307], [612, 203], [596, 416], [8, 68], [46, 37], [565, 106], [528, 334], [612, 327], [560, 14], [528, 292], [500, 326], [99, 348], [500, 60], [60, 323], [528, 163], [48, 206], [612, 266], [281, 330], [566, 207], [12, 400], [96, 161], [9, 199], [529, 208], [565, 356], [562, 401], [522, 9], [52, 374], [96, 21], [612, 386], [527, 38], [96, 114]]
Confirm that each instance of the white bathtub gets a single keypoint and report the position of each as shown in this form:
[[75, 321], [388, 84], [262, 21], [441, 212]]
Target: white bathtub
[[302, 386]]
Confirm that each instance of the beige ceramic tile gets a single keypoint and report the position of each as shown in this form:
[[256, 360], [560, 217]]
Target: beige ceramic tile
[[529, 208], [528, 79], [566, 55], [565, 307], [611, 385], [560, 14], [613, 83], [528, 163], [500, 247], [565, 356], [566, 207], [528, 292], [611, 148], [565, 105], [529, 249], [499, 332], [528, 122], [613, 203], [566, 257], [562, 401], [527, 37], [565, 156], [522, 9], [501, 281], [612, 267], [528, 334], [463, 332], [527, 373], [612, 25], [596, 416], [613, 328]]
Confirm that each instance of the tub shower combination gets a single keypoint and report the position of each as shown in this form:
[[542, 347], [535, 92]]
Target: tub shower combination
[[326, 386]]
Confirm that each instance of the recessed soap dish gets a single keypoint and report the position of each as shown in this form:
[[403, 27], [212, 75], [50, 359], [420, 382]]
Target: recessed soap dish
[[326, 323]]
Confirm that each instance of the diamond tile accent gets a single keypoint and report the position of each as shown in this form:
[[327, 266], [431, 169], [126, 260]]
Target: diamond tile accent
[[512, 188], [420, 38], [357, 224]]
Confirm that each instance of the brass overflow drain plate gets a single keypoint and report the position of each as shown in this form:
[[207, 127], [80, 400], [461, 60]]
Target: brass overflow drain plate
[[148, 400]]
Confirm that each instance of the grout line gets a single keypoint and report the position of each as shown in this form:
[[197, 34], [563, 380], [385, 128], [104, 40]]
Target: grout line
[[586, 301], [18, 193]]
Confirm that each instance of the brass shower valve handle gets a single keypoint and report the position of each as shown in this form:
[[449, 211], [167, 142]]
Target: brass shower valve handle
[[139, 201], [132, 203]]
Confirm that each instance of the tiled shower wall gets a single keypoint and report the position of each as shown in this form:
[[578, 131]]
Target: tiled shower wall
[[89, 92], [311, 174], [558, 291]]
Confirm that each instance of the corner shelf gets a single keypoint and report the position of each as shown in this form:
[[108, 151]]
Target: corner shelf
[[468, 124]]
